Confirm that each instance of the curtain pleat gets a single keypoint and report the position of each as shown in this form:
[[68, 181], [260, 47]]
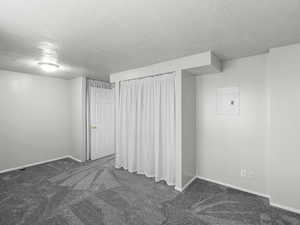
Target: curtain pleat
[[146, 127]]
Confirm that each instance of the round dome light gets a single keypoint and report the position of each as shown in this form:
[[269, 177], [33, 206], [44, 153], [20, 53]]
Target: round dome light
[[48, 67]]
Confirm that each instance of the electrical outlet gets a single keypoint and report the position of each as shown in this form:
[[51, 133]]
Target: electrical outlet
[[247, 173], [243, 172]]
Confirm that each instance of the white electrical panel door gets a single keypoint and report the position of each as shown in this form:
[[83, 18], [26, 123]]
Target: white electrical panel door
[[228, 101]]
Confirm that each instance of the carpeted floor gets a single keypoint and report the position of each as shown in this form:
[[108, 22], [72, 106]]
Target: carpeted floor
[[65, 192]]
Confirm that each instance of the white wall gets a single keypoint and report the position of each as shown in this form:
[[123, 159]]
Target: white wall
[[188, 127], [226, 144], [78, 121], [284, 140], [34, 119]]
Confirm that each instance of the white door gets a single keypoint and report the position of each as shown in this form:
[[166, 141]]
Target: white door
[[101, 122]]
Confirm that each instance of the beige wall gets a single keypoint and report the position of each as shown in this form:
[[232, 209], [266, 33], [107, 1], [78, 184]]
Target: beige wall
[[228, 143], [188, 127], [284, 139], [264, 138], [77, 116], [34, 119]]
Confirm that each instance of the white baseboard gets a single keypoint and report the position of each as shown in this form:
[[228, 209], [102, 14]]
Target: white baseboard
[[33, 164], [287, 208], [291, 209], [178, 189], [186, 185], [234, 187], [38, 163], [72, 157]]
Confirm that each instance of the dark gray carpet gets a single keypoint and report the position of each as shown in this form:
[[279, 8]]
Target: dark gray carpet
[[65, 192]]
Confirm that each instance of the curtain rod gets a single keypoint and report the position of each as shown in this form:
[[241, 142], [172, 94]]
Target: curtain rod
[[153, 75], [97, 80], [99, 83]]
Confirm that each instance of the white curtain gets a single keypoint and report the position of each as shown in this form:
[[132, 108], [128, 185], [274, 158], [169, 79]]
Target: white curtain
[[145, 132]]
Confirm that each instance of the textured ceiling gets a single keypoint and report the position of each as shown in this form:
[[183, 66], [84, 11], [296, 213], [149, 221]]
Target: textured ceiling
[[96, 37]]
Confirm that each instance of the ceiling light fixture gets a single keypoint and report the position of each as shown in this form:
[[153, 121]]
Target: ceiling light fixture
[[48, 67]]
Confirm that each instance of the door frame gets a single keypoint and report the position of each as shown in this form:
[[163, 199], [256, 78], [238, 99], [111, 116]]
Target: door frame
[[88, 117]]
